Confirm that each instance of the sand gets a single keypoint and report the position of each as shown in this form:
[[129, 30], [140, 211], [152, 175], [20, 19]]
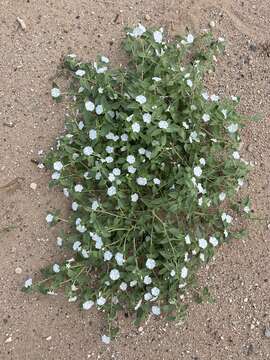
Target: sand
[[35, 327]]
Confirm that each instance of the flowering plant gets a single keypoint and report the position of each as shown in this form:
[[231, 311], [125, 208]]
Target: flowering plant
[[150, 162]]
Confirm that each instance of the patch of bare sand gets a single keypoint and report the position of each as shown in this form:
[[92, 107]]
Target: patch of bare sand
[[37, 327]]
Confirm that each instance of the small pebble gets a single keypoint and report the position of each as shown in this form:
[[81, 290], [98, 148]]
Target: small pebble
[[212, 24], [33, 186], [267, 332], [49, 338], [8, 340], [147, 17], [21, 23], [18, 270]]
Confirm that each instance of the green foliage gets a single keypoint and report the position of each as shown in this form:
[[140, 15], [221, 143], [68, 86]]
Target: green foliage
[[150, 162]]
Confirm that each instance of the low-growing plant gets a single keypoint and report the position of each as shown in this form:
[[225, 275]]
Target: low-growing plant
[[151, 165]]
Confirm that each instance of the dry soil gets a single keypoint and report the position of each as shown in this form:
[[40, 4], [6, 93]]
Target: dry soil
[[35, 327]]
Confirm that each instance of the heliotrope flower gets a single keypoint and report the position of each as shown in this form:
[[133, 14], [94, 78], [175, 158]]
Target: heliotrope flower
[[55, 92], [141, 99], [150, 264], [114, 274], [156, 310]]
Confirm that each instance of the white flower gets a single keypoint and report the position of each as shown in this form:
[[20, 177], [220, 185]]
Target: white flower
[[156, 181], [172, 273], [80, 72], [133, 283], [111, 191], [114, 274], [226, 217], [123, 286], [56, 175], [132, 169], [134, 197], [156, 310], [136, 127], [124, 137], [101, 70], [187, 240], [222, 196], [155, 291], [119, 258], [109, 159], [157, 36], [141, 99], [131, 159], [138, 31], [163, 124], [59, 241], [99, 109], [58, 166], [92, 134], [150, 264], [202, 161], [77, 246], [56, 268], [246, 209], [186, 126], [105, 59], [236, 155], [197, 171], [88, 150], [213, 240], [206, 117], [141, 181], [98, 176], [202, 243], [95, 205], [189, 83], [101, 301], [147, 280], [55, 92], [107, 255], [78, 188], [72, 298], [141, 151], [205, 95], [202, 257], [116, 171], [234, 98], [109, 149], [214, 97], [232, 128], [200, 201], [28, 283], [49, 218], [155, 78], [88, 304], [106, 339], [240, 182], [147, 296], [184, 272], [66, 192], [147, 118], [89, 106], [190, 39], [81, 228], [85, 253], [111, 177]]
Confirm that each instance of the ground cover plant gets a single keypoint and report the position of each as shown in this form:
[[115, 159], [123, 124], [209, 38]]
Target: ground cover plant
[[150, 162]]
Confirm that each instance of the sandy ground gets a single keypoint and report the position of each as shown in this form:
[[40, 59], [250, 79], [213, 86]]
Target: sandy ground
[[39, 327]]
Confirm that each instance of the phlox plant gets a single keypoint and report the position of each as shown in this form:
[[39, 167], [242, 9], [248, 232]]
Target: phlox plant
[[150, 162]]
